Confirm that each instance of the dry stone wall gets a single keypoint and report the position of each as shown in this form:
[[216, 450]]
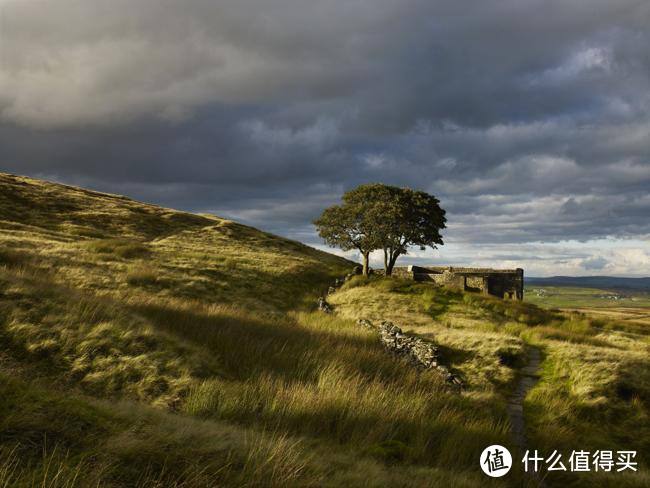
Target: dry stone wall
[[418, 352], [323, 306]]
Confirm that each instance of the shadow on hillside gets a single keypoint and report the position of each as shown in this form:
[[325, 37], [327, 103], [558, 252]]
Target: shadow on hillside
[[440, 305], [449, 355], [247, 346]]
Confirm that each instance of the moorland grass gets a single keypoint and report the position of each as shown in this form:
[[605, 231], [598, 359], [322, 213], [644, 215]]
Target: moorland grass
[[121, 248], [147, 347], [594, 391]]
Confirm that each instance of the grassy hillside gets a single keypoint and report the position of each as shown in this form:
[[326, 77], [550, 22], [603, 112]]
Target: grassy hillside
[[117, 247], [140, 346], [594, 390], [109, 307]]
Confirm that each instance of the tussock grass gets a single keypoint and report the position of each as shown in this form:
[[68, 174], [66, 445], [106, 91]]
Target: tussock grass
[[298, 374], [276, 463], [120, 248], [13, 258], [55, 470], [94, 342], [146, 347], [142, 276], [127, 445], [95, 443], [594, 392]]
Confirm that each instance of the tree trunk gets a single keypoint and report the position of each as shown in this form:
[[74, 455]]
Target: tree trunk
[[391, 263], [366, 269], [386, 268]]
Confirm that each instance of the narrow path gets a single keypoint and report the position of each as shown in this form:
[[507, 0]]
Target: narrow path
[[529, 377]]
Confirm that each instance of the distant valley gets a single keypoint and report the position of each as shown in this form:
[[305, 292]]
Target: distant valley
[[605, 282]]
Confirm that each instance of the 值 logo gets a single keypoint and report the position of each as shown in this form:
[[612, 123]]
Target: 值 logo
[[496, 461]]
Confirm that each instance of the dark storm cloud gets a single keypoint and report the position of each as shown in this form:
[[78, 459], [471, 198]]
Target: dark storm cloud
[[529, 119]]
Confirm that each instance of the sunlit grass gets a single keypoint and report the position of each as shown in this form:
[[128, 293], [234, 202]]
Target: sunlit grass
[[594, 391], [147, 347]]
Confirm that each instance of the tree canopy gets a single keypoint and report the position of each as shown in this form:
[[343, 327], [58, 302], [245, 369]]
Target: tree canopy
[[376, 216]]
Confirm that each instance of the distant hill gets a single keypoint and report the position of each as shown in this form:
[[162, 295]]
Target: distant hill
[[607, 282]]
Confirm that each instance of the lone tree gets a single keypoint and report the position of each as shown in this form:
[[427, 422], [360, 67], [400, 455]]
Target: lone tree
[[413, 218], [354, 224], [377, 216]]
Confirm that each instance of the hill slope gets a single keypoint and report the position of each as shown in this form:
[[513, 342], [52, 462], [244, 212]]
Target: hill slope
[[111, 245], [109, 307], [141, 346], [594, 382]]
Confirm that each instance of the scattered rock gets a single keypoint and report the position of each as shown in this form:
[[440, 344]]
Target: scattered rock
[[365, 323], [323, 306], [338, 282]]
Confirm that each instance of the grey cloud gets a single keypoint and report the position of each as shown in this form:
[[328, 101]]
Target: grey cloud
[[529, 119], [596, 263]]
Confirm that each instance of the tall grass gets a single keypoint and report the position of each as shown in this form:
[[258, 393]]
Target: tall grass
[[180, 350], [302, 374], [120, 248], [594, 391], [53, 470], [142, 276], [280, 462], [13, 257]]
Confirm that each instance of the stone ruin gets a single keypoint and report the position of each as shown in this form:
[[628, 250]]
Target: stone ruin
[[502, 283]]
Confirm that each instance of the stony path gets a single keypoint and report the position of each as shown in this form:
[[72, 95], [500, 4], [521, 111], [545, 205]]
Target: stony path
[[529, 377]]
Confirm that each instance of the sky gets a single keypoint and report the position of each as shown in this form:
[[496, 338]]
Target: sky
[[528, 119]]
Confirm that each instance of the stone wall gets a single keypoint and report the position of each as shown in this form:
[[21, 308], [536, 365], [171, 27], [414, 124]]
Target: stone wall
[[503, 283], [420, 353]]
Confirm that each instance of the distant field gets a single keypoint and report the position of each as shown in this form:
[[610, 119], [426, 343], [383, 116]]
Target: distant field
[[569, 297]]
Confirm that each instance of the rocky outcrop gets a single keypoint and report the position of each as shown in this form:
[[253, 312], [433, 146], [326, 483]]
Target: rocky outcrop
[[420, 353]]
